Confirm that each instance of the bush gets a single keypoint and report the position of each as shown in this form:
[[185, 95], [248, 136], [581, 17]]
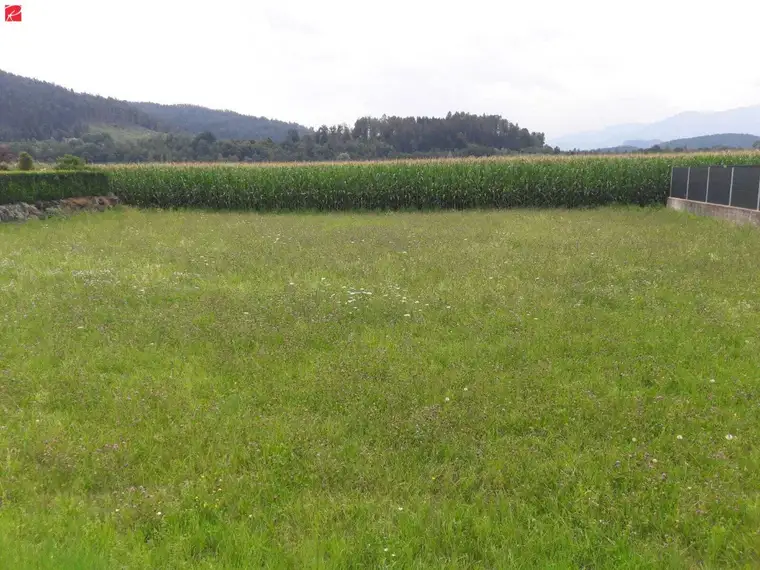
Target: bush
[[25, 161], [4, 167], [70, 162], [343, 156], [33, 186]]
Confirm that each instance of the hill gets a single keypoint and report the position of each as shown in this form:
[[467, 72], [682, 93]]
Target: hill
[[36, 110], [683, 125], [223, 124], [32, 109], [728, 140]]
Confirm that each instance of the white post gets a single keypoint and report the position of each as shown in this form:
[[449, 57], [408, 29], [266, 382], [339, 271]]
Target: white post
[[758, 195], [707, 190], [671, 181], [688, 179], [731, 188]]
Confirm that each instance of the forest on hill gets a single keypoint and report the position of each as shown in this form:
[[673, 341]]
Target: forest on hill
[[49, 121]]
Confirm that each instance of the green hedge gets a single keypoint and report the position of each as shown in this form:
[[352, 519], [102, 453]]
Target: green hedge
[[34, 186], [490, 183]]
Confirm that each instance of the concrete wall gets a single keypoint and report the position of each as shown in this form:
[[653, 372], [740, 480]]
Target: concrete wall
[[732, 214]]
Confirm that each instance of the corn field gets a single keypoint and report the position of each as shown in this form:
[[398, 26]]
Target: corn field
[[561, 181], [434, 184]]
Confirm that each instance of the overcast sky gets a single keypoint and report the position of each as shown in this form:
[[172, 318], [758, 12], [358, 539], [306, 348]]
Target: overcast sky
[[556, 66]]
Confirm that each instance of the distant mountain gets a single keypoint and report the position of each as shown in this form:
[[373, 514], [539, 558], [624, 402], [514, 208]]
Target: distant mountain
[[31, 109], [224, 124], [642, 143], [724, 140], [684, 125], [729, 140]]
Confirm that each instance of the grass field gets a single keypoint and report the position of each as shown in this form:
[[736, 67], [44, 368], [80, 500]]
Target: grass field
[[522, 389]]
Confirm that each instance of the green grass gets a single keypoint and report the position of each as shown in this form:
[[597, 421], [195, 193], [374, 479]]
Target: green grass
[[510, 395]]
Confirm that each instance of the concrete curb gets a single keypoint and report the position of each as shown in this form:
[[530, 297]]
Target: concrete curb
[[730, 213]]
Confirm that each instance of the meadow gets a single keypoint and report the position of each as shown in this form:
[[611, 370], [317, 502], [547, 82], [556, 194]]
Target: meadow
[[480, 389]]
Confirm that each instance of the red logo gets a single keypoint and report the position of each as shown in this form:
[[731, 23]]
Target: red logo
[[12, 13]]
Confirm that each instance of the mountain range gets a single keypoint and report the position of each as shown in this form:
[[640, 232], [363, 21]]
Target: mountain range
[[682, 126], [36, 110]]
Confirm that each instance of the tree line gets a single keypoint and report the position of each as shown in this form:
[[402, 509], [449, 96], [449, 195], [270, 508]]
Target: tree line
[[457, 134]]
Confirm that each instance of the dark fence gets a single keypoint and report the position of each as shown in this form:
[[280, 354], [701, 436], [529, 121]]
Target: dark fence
[[737, 186]]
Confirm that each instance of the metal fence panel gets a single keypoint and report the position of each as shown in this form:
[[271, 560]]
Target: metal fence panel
[[746, 181], [720, 185], [698, 183], [679, 182]]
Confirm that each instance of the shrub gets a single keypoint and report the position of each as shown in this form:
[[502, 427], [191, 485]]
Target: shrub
[[343, 156], [70, 162], [34, 186], [25, 162]]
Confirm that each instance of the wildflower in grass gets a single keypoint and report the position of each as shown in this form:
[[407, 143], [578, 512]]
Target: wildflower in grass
[[633, 439], [401, 508], [448, 399], [158, 513], [712, 380], [407, 315], [729, 437], [679, 437]]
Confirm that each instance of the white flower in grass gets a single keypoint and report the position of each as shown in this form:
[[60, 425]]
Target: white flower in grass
[[447, 399], [633, 439], [729, 436], [158, 513], [407, 315], [679, 437], [712, 380]]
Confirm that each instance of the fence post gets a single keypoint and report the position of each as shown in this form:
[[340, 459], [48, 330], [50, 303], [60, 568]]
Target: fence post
[[731, 188], [671, 181], [707, 190], [688, 179], [758, 195]]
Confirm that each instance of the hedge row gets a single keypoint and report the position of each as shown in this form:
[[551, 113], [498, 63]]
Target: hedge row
[[34, 186], [496, 183]]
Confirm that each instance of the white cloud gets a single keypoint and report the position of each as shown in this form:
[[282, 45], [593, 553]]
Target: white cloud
[[554, 66]]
